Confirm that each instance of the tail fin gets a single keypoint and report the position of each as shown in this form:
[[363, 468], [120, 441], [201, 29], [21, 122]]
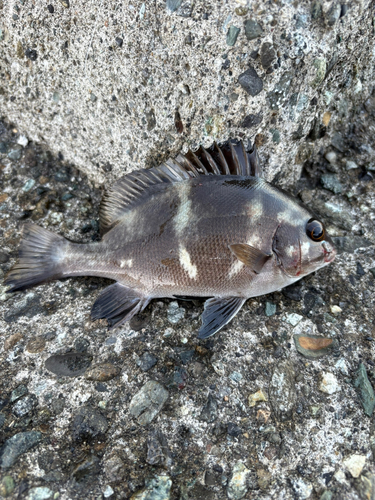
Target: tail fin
[[40, 258]]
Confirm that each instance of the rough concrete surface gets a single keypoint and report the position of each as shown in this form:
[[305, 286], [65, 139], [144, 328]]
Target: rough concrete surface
[[115, 85], [279, 404]]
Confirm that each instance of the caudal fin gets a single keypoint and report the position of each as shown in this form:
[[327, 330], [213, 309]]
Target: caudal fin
[[40, 258]]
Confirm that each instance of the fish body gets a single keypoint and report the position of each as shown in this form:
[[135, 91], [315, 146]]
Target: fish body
[[202, 225]]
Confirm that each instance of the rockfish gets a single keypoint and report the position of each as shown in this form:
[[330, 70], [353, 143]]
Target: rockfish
[[205, 224]]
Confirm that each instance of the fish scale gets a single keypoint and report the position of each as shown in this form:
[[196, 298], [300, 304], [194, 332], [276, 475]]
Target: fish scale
[[202, 225]]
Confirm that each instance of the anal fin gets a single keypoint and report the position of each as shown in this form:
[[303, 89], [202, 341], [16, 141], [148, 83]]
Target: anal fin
[[118, 304], [218, 311]]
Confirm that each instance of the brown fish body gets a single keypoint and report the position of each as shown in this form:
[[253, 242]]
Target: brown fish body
[[230, 237], [178, 241]]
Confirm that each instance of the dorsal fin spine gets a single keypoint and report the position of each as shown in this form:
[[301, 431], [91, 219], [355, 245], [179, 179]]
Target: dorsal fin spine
[[228, 159]]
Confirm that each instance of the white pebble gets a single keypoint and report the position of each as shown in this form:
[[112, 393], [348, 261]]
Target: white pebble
[[293, 319], [329, 383], [335, 310], [351, 165], [23, 141], [355, 464], [108, 492], [331, 157]]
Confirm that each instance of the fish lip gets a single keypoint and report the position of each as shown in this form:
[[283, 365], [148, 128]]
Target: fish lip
[[329, 252]]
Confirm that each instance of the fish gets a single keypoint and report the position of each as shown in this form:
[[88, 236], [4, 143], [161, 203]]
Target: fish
[[204, 224]]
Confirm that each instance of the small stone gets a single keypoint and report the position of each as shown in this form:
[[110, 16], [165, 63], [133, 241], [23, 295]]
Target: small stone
[[51, 9], [336, 310], [267, 55], [81, 345], [65, 3], [250, 82], [326, 118], [316, 9], [151, 120], [7, 486], [24, 406], [302, 488], [333, 14], [331, 182], [351, 165], [93, 98], [219, 367], [31, 54], [156, 488], [15, 152], [293, 319], [232, 35], [22, 141], [320, 66], [252, 120], [257, 397], [119, 41], [241, 11], [196, 369], [355, 464], [338, 142], [28, 185], [89, 467], [173, 5], [108, 491], [209, 411], [313, 346], [360, 270], [40, 493], [146, 361], [237, 486], [236, 377], [148, 402], [102, 372], [282, 390], [3, 147], [88, 423], [270, 309], [234, 430], [15, 446], [366, 486], [175, 313], [35, 345], [20, 53], [277, 96], [71, 364], [275, 135], [331, 157], [18, 392], [157, 449], [365, 389], [328, 383], [252, 29], [4, 257]]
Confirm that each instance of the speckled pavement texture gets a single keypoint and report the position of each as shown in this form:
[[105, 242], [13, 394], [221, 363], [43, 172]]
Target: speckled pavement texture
[[279, 404]]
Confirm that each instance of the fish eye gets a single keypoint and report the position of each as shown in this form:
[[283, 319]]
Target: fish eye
[[315, 230]]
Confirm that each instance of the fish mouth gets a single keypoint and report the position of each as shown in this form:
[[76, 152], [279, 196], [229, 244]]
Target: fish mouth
[[329, 252]]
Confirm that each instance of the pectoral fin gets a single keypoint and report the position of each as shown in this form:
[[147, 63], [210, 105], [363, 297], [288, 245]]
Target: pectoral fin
[[218, 312], [250, 256], [117, 304]]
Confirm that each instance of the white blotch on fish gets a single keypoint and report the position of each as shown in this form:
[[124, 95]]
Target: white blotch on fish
[[186, 263]]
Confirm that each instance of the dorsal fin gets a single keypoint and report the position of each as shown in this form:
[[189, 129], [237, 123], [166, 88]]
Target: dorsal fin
[[130, 188], [229, 159]]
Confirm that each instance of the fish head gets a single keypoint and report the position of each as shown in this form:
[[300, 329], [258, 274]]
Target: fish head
[[302, 248]]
